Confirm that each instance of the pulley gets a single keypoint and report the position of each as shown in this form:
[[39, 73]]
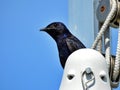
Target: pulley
[[104, 9]]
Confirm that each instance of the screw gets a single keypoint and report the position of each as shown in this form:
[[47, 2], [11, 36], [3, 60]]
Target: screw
[[102, 9]]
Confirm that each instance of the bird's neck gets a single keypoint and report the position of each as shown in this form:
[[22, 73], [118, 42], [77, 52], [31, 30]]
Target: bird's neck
[[63, 36]]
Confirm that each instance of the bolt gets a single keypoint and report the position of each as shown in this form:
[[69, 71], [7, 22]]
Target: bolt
[[102, 9]]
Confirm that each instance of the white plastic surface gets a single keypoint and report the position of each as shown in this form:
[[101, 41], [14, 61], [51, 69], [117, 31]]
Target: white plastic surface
[[91, 61]]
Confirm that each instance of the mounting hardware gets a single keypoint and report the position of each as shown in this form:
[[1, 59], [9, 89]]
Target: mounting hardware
[[103, 10]]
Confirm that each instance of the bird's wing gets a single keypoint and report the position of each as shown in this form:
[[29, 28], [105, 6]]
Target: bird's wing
[[74, 44]]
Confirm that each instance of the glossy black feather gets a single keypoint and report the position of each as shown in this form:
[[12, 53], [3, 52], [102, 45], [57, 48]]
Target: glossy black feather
[[66, 42]]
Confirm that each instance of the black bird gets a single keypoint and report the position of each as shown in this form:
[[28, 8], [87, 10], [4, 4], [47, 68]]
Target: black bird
[[66, 42]]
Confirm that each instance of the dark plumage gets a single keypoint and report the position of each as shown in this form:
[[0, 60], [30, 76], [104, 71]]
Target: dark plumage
[[66, 42]]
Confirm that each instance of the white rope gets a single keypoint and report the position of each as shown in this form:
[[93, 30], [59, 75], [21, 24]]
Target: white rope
[[99, 46], [107, 47], [116, 71], [106, 23]]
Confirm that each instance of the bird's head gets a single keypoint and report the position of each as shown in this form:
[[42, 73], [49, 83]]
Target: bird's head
[[55, 29]]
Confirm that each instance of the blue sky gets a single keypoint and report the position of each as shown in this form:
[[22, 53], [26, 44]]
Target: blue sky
[[29, 58]]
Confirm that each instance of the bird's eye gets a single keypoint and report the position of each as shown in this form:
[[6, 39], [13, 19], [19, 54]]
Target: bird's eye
[[55, 25]]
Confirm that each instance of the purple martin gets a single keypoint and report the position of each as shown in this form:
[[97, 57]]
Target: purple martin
[[66, 42]]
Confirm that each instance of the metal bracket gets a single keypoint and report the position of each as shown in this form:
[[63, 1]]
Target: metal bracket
[[104, 9]]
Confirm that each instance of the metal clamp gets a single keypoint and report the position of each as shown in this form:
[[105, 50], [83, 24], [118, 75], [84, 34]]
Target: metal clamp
[[88, 79]]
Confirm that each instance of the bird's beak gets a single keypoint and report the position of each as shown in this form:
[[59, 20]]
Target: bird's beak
[[43, 29]]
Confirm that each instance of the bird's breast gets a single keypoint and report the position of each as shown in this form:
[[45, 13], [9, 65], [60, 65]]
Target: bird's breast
[[63, 48]]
